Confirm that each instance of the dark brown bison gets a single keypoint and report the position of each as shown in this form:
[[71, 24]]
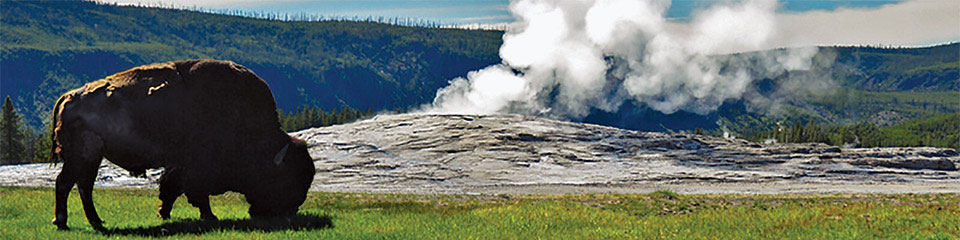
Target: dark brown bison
[[212, 125]]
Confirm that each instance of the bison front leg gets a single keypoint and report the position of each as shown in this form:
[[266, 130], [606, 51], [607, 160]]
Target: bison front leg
[[170, 188], [202, 202]]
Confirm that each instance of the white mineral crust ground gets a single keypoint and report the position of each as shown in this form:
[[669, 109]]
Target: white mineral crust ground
[[429, 153]]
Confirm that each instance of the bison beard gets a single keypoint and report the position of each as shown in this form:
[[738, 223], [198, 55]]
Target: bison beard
[[212, 125]]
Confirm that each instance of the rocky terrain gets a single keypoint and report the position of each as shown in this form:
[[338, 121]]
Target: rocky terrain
[[426, 153]]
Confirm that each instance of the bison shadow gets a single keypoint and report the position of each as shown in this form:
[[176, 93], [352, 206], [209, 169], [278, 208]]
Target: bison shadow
[[197, 226]]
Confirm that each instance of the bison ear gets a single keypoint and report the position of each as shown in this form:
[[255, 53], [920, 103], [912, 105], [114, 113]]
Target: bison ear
[[279, 158]]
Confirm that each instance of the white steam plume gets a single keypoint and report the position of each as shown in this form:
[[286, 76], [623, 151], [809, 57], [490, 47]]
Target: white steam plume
[[562, 58]]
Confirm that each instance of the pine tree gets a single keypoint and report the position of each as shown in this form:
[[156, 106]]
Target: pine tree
[[11, 135], [42, 146], [28, 141]]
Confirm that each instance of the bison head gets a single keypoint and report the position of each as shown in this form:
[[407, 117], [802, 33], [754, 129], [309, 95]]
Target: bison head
[[283, 191]]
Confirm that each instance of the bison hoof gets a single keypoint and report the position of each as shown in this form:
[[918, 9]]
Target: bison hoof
[[61, 224], [163, 215], [98, 226]]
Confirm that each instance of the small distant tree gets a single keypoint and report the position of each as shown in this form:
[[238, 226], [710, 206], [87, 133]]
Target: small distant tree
[[42, 146], [11, 134], [699, 131], [311, 116]]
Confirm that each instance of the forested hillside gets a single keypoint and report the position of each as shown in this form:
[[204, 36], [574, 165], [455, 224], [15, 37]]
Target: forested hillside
[[934, 68], [938, 131], [48, 47]]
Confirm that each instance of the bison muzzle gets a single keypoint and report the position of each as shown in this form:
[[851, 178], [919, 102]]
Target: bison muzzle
[[211, 125]]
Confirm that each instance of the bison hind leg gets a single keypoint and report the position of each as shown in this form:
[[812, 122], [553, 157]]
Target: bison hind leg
[[170, 189], [65, 182], [82, 154], [202, 202]]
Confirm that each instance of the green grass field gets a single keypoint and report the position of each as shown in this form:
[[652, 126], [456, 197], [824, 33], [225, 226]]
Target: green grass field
[[25, 213]]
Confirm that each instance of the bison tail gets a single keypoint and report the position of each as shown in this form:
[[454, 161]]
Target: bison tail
[[54, 124]]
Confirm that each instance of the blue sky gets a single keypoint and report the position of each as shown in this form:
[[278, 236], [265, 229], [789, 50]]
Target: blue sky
[[464, 11]]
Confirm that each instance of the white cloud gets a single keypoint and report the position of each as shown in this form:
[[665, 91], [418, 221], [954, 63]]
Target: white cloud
[[910, 23]]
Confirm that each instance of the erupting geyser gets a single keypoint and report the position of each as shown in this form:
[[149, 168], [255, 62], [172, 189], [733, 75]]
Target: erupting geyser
[[564, 58]]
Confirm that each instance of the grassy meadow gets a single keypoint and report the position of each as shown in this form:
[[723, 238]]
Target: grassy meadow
[[25, 213]]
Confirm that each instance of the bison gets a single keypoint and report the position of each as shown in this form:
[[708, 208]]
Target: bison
[[211, 125]]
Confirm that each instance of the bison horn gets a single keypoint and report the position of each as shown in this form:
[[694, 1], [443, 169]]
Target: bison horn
[[279, 158]]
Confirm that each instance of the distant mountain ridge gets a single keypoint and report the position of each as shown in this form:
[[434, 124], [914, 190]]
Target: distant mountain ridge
[[48, 47]]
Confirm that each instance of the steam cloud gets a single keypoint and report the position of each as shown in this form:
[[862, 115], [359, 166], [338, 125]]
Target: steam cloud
[[563, 58]]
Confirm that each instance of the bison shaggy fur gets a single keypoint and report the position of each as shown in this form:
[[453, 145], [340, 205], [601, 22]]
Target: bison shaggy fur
[[211, 125]]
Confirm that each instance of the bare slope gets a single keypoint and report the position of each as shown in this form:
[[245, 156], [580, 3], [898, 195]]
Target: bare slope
[[472, 153], [519, 154]]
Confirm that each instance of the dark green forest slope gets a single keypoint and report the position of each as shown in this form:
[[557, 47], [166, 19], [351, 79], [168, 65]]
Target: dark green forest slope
[[877, 86], [934, 68], [938, 131], [47, 47]]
